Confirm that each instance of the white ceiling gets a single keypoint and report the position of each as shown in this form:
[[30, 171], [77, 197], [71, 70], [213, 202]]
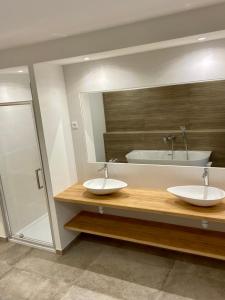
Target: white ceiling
[[25, 21]]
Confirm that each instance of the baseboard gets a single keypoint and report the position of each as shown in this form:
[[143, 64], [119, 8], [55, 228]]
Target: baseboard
[[63, 251], [4, 239]]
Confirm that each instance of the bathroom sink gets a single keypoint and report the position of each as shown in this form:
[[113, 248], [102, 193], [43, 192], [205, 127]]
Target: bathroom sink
[[102, 186], [198, 195]]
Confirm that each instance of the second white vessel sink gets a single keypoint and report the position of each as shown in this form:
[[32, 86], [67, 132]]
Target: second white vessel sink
[[103, 186], [198, 195]]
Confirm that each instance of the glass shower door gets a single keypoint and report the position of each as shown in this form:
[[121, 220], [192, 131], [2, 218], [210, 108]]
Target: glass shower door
[[21, 178]]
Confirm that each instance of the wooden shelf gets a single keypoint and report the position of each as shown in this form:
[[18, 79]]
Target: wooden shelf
[[179, 238], [144, 200]]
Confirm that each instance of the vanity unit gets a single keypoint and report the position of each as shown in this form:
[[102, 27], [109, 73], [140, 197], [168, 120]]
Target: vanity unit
[[185, 239]]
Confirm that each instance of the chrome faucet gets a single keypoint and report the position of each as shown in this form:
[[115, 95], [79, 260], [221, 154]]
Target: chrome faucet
[[184, 136], [106, 172], [105, 168], [170, 139], [205, 176]]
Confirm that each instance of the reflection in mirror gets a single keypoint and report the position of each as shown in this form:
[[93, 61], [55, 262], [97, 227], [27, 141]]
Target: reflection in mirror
[[169, 125]]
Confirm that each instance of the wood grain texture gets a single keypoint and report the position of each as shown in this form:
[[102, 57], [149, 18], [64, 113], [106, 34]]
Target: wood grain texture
[[189, 240], [144, 200], [133, 116], [198, 105]]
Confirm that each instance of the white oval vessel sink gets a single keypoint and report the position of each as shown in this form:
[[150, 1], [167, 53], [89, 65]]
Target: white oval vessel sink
[[102, 186], [198, 195]]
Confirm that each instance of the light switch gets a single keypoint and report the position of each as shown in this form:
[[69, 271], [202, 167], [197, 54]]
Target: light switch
[[75, 125]]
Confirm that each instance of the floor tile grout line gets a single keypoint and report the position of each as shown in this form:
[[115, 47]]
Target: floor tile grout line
[[94, 260], [44, 275], [22, 257], [121, 247], [18, 259], [167, 275], [3, 275]]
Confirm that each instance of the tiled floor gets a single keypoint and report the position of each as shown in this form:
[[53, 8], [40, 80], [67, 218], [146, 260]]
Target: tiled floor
[[103, 269]]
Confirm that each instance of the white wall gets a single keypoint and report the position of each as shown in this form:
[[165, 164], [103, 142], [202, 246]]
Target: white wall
[[14, 87], [58, 140], [56, 122], [203, 61]]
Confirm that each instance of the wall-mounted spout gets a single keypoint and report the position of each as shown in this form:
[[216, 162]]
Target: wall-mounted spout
[[205, 176], [170, 139], [184, 136], [105, 167]]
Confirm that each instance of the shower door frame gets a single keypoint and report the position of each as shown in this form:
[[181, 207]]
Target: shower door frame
[[3, 204]]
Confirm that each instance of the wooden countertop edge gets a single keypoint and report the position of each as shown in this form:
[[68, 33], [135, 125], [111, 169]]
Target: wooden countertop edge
[[162, 212], [96, 202]]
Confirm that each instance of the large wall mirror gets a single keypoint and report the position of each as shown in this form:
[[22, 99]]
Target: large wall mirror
[[180, 124]]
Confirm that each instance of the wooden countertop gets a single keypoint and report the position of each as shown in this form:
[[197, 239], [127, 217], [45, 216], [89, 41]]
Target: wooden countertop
[[143, 200]]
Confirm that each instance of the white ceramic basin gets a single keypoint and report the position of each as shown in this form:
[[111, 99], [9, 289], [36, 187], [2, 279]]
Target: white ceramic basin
[[164, 157], [198, 195], [102, 186]]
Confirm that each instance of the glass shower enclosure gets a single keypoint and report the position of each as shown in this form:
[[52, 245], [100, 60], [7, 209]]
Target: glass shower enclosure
[[22, 186]]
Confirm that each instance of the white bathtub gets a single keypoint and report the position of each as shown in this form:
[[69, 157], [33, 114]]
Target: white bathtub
[[164, 157]]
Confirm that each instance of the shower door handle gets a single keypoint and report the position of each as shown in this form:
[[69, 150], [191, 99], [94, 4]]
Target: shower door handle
[[39, 180]]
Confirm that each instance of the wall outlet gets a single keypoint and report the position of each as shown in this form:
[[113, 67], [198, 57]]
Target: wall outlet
[[74, 125]]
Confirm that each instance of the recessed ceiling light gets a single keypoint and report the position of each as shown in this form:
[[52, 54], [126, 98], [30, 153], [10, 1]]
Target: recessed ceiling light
[[202, 38], [86, 58], [20, 71]]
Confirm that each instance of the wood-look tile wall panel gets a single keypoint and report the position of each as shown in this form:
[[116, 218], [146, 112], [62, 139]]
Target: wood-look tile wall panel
[[132, 116], [197, 106]]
